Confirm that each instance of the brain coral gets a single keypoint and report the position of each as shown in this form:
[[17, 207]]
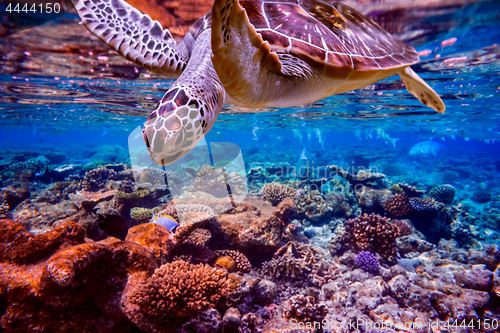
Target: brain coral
[[371, 233], [398, 205], [276, 192], [443, 193]]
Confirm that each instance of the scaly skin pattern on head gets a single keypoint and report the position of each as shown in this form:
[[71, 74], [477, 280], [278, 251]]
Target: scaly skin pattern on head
[[188, 110]]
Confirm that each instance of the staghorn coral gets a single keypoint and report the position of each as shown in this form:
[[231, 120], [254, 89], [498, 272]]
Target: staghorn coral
[[276, 192], [425, 205], [443, 193], [398, 205], [292, 262], [176, 289], [242, 262], [96, 179], [305, 309], [313, 206], [371, 233], [367, 261]]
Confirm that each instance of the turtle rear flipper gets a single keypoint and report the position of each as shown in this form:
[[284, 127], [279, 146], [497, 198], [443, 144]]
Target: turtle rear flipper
[[134, 35], [421, 90]]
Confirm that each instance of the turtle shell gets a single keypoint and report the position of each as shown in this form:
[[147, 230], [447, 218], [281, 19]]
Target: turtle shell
[[331, 36]]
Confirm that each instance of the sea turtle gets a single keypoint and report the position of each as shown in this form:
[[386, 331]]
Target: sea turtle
[[252, 53]]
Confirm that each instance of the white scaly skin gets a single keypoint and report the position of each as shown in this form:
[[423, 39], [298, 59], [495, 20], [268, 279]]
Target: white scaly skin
[[189, 108]]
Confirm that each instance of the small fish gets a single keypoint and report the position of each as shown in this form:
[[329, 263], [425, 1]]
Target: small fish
[[213, 135], [114, 131], [297, 134], [113, 225], [165, 220], [428, 147], [381, 134], [357, 133], [486, 135], [440, 133], [305, 158], [52, 130], [254, 132], [321, 137]]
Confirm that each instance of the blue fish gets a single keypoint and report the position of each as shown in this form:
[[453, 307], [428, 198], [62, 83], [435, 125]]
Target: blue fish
[[165, 220], [426, 148]]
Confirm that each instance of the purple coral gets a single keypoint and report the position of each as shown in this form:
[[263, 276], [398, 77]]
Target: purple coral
[[367, 261]]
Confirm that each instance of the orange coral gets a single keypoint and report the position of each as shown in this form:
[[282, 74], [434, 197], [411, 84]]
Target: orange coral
[[227, 262], [176, 289], [55, 280]]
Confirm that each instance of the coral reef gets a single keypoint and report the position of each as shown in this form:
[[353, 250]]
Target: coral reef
[[404, 227], [292, 262], [241, 261], [372, 233], [312, 206], [96, 179], [276, 192], [398, 205], [57, 279], [218, 182], [193, 252], [367, 261], [305, 309], [443, 193]]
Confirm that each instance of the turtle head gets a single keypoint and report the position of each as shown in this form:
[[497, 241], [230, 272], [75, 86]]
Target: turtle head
[[174, 127]]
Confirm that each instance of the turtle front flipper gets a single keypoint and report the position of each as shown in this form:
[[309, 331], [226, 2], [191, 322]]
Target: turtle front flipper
[[421, 90], [134, 35], [240, 55]]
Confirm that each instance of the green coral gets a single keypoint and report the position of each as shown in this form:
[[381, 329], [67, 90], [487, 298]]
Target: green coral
[[136, 195], [143, 214]]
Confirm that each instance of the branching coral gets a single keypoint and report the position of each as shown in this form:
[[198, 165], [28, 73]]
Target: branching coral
[[398, 205], [443, 193], [305, 309], [371, 233], [292, 262], [242, 263], [276, 192], [178, 289]]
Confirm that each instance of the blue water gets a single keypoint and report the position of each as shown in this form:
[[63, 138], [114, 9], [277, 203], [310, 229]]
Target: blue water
[[64, 92]]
